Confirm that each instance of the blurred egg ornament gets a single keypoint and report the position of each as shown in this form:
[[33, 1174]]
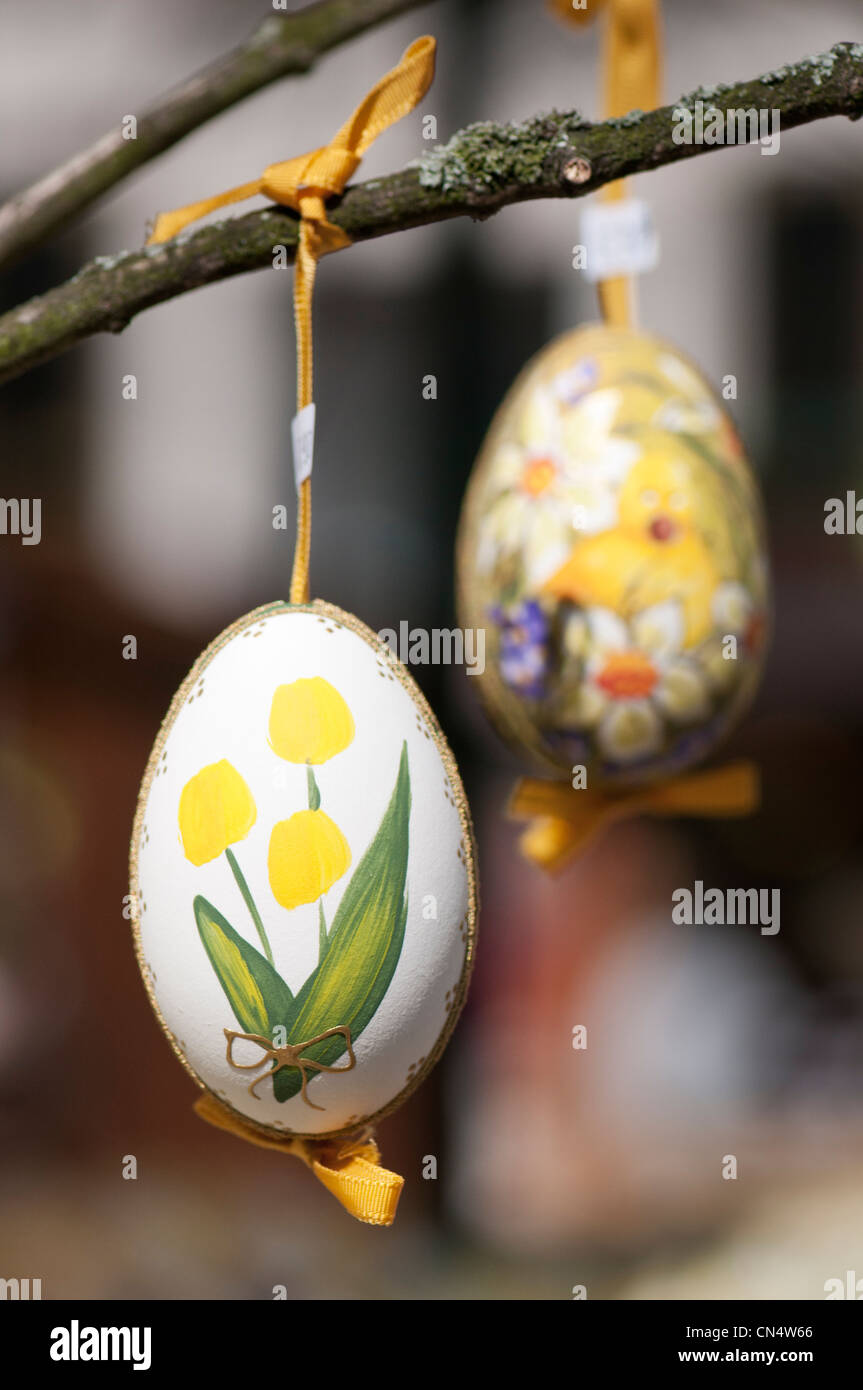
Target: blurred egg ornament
[[611, 546], [611, 541]]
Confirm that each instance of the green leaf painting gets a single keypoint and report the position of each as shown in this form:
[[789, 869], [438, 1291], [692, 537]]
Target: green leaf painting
[[363, 946], [255, 990]]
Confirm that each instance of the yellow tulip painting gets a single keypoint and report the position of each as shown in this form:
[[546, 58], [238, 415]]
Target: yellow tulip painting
[[309, 722], [308, 853], [216, 810]]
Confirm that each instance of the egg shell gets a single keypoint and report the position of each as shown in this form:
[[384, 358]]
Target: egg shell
[[611, 546], [388, 789]]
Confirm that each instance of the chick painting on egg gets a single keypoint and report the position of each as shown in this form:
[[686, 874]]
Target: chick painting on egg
[[654, 552]]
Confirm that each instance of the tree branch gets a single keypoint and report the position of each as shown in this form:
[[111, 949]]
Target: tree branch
[[282, 45], [483, 168]]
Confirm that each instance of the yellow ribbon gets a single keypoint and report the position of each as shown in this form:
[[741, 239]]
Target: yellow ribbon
[[631, 63], [631, 68], [303, 184], [564, 820], [349, 1168]]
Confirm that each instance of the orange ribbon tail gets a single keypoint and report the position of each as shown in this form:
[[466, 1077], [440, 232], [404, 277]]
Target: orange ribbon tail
[[564, 821], [349, 1168]]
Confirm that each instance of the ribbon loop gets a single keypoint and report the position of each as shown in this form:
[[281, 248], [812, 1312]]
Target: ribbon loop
[[397, 93]]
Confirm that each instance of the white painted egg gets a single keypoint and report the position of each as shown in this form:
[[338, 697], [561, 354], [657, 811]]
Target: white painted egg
[[303, 877]]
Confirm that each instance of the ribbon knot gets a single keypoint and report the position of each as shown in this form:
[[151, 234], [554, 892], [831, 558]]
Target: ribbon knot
[[324, 172], [306, 181]]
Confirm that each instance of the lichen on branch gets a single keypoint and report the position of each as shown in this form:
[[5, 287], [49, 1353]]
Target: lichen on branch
[[483, 168]]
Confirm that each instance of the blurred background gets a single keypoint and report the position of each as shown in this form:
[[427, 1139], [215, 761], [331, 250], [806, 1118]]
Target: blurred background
[[556, 1168]]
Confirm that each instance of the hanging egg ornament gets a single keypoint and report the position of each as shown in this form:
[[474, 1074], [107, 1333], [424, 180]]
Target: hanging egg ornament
[[611, 546], [303, 875], [302, 862]]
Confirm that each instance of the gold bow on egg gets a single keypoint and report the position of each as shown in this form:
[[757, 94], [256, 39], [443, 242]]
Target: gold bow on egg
[[288, 1056]]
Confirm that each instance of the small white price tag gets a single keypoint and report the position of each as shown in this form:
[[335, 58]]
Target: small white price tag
[[619, 239], [303, 442]]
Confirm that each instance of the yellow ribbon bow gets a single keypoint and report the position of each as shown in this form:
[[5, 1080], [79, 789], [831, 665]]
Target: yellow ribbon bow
[[348, 1167], [304, 184]]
